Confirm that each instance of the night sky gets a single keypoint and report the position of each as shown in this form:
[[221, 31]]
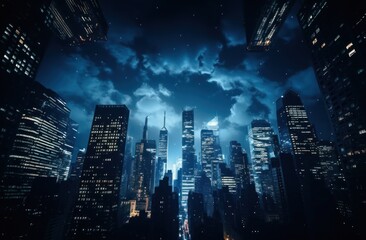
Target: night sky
[[167, 55]]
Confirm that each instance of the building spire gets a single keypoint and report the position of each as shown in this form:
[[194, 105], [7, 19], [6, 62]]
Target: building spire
[[144, 136]]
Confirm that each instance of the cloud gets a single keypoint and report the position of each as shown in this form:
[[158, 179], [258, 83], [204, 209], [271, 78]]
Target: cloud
[[145, 91], [121, 53], [150, 103], [304, 82], [163, 90]]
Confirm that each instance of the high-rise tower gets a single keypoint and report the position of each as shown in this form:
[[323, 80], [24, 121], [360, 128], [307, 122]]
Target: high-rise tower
[[188, 155], [297, 135], [77, 21], [39, 140], [207, 151], [161, 164], [263, 18], [95, 213], [24, 36], [335, 33], [145, 154]]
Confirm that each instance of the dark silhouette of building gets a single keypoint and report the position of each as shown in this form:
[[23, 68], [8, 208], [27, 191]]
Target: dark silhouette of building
[[95, 213], [263, 19], [169, 175], [204, 187], [335, 34], [77, 166], [164, 212], [196, 213], [297, 135], [145, 153], [127, 175], [76, 21], [239, 165]]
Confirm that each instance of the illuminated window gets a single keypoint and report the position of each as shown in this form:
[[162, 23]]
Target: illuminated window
[[351, 53]]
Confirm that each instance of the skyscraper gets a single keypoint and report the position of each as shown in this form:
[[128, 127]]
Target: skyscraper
[[335, 33], [161, 164], [228, 179], [164, 212], [188, 155], [24, 36], [39, 142], [68, 149], [260, 138], [145, 154], [78, 165], [207, 151], [77, 21], [297, 135], [239, 165], [218, 157], [263, 18], [95, 213]]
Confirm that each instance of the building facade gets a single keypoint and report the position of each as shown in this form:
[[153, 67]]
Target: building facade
[[188, 155], [95, 212], [335, 34]]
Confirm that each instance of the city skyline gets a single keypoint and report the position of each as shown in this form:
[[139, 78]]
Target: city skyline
[[167, 70], [186, 120]]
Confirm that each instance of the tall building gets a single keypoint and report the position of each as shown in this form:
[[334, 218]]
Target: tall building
[[207, 151], [228, 179], [196, 213], [39, 142], [164, 212], [161, 165], [68, 149], [239, 165], [24, 36], [77, 168], [218, 158], [145, 154], [127, 174], [260, 137], [263, 18], [335, 33], [95, 212], [297, 135], [188, 155], [77, 21]]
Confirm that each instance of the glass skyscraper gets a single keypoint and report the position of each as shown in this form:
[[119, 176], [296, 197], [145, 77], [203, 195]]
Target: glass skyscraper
[[39, 142], [207, 151], [161, 164], [188, 155]]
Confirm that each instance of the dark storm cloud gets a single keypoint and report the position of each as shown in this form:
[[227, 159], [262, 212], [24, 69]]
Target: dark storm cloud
[[232, 56], [164, 55]]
